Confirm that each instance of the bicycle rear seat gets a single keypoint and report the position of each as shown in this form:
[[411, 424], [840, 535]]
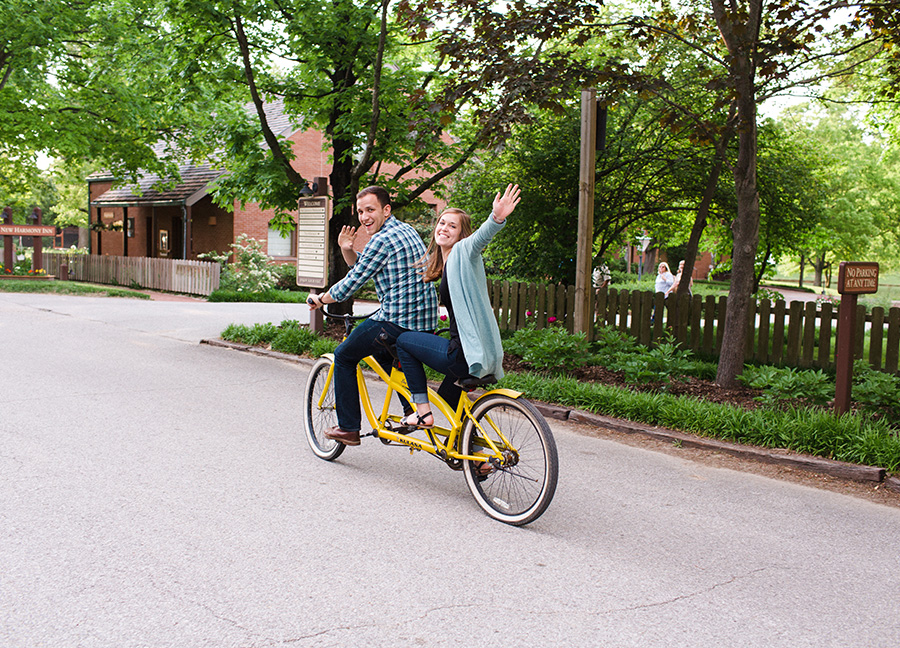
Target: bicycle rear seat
[[471, 383]]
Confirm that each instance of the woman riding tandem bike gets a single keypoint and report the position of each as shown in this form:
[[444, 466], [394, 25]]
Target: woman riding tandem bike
[[500, 441]]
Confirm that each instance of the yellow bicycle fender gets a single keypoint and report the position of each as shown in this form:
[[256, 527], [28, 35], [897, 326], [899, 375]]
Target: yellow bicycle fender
[[502, 390]]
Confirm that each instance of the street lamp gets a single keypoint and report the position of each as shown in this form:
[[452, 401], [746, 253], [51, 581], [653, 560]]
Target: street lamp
[[644, 240]]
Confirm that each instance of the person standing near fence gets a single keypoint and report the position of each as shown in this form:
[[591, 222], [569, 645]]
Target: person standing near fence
[[677, 280], [664, 278]]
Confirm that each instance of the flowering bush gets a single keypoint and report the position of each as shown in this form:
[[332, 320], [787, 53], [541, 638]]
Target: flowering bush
[[21, 268], [252, 270], [827, 299]]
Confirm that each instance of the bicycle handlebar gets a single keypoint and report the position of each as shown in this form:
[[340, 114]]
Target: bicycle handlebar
[[338, 316]]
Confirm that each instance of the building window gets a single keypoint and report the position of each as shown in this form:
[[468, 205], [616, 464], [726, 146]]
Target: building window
[[280, 246]]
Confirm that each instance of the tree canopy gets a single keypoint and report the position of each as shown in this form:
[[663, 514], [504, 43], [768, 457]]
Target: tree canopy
[[80, 80]]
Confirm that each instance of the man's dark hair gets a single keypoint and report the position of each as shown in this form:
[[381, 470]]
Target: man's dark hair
[[380, 193]]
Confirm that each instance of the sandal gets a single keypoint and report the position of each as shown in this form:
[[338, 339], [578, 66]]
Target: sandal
[[483, 470], [416, 422]]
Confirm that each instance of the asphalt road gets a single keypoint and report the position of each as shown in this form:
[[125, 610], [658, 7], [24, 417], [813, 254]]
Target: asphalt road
[[157, 492]]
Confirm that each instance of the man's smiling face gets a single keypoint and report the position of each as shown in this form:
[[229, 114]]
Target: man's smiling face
[[371, 214]]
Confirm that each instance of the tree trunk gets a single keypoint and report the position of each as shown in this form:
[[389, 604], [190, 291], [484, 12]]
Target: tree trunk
[[693, 245], [819, 267], [740, 35], [341, 180], [802, 268]]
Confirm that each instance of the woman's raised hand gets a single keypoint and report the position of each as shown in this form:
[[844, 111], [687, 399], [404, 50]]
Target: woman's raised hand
[[505, 204]]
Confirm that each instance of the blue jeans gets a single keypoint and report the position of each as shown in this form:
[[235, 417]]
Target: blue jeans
[[362, 342], [415, 348]]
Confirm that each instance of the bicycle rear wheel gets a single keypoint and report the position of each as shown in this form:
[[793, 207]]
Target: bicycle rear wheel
[[320, 418], [520, 487]]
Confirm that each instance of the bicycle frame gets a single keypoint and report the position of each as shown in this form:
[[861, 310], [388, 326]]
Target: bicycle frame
[[396, 383]]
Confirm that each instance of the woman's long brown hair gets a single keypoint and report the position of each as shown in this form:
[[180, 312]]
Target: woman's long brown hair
[[432, 263]]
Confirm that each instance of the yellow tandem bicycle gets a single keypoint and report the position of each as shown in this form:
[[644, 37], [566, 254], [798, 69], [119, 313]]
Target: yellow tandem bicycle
[[500, 441]]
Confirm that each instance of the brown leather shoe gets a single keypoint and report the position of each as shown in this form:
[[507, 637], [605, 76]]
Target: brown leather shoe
[[345, 437]]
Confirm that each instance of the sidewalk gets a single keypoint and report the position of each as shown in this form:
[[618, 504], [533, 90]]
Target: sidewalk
[[795, 295], [171, 297]]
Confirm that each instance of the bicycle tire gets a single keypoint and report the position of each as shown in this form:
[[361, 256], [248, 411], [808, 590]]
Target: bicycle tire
[[317, 420], [521, 490]]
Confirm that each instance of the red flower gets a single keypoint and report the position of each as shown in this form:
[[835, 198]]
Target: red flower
[[443, 318], [551, 319]]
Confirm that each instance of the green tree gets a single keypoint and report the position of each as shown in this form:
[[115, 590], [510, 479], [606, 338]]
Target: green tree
[[749, 51], [400, 84], [81, 80], [860, 170], [643, 180]]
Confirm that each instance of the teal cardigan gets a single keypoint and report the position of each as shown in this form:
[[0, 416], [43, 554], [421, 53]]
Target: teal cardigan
[[478, 330]]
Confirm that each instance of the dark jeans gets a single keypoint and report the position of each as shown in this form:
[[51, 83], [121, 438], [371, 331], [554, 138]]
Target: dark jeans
[[361, 342], [415, 348]]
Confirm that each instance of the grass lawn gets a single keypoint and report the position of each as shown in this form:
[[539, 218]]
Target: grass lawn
[[67, 288]]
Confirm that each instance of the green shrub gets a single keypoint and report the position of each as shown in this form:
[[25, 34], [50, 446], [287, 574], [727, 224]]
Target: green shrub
[[814, 387], [285, 277], [551, 349], [236, 333], [662, 364], [877, 392], [321, 346], [609, 340], [266, 296], [262, 333], [252, 270], [292, 338]]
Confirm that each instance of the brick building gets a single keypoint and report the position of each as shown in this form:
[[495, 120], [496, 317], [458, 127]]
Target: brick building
[[183, 222]]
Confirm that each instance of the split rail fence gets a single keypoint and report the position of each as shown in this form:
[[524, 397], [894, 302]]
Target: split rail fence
[[793, 334], [172, 275]]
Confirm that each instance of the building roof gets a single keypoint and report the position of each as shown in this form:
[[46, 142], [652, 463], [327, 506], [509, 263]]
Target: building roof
[[195, 184], [196, 180]]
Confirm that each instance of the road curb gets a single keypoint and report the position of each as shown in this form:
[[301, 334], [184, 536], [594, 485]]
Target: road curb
[[840, 469], [810, 463]]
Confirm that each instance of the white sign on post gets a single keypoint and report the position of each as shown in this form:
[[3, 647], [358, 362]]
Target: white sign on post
[[312, 242]]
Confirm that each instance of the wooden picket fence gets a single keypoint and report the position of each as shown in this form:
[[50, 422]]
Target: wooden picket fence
[[793, 334], [171, 275]]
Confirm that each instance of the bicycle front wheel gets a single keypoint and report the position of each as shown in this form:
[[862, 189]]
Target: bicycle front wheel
[[517, 488], [321, 415]]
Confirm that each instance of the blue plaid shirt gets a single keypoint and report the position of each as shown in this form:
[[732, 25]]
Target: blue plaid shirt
[[390, 257]]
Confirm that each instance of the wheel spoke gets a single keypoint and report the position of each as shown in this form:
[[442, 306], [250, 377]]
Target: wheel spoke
[[523, 482]]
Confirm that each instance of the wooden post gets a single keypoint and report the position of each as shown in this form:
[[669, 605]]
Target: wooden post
[[37, 242], [585, 247], [843, 354], [8, 260], [854, 278]]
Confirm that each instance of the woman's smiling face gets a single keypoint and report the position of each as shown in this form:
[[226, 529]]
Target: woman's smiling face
[[447, 231]]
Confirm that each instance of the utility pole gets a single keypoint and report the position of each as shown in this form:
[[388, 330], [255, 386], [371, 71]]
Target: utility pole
[[585, 249]]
